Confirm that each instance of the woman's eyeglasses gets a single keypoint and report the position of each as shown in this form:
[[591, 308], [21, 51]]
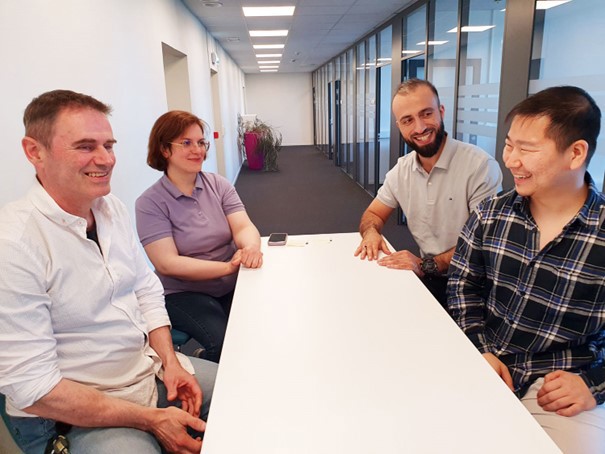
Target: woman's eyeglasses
[[190, 144]]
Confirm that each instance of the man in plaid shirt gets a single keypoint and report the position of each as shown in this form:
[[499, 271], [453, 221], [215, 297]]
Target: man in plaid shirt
[[527, 281]]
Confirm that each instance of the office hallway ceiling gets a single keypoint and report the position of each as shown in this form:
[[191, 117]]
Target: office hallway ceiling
[[318, 31]]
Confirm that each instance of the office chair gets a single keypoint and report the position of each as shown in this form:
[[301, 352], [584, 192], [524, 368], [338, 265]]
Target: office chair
[[180, 338]]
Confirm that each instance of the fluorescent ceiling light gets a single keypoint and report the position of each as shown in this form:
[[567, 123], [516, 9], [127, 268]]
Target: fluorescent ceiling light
[[432, 43], [385, 59], [472, 28], [257, 33], [262, 62], [268, 70], [268, 11], [546, 4], [410, 52], [268, 66], [269, 46], [268, 55]]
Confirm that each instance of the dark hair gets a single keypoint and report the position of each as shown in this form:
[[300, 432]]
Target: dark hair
[[42, 112], [572, 112], [165, 130], [410, 85]]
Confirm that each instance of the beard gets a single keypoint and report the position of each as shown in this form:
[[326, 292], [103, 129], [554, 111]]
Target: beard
[[430, 150]]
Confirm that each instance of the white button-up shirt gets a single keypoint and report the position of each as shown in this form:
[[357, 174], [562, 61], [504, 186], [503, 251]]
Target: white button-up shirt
[[69, 311]]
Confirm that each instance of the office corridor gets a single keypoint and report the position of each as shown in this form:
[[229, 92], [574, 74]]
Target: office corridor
[[309, 194]]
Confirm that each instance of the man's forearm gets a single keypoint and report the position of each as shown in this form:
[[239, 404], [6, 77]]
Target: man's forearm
[[161, 342], [370, 221], [83, 406], [443, 260]]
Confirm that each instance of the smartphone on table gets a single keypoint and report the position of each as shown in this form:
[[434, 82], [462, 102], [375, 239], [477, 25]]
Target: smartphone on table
[[277, 239]]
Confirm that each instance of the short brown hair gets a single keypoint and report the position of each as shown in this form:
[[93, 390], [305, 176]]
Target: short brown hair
[[410, 85], [41, 114], [165, 130]]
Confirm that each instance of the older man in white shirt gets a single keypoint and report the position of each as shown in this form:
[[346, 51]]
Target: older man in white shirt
[[86, 337]]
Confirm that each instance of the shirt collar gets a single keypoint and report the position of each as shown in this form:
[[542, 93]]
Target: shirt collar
[[49, 208], [592, 213], [444, 160], [176, 192]]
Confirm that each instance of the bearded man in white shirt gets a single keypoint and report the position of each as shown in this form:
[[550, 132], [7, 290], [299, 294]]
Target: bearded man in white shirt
[[86, 338]]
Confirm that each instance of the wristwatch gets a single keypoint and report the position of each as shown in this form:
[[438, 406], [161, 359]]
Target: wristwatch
[[429, 266]]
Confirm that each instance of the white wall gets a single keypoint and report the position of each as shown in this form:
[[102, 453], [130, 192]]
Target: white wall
[[285, 101], [112, 50]]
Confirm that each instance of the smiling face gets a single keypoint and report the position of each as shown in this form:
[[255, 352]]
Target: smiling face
[[420, 120], [76, 167], [185, 155], [539, 168]]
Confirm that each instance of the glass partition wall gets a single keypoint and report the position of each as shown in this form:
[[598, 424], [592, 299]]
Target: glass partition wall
[[559, 58], [460, 46]]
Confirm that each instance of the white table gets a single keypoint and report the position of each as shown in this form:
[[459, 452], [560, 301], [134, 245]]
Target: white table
[[326, 353]]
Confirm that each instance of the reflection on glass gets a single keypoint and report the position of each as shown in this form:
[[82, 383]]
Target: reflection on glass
[[371, 112], [414, 33], [350, 113], [385, 46], [361, 93], [441, 66], [384, 121], [479, 83], [342, 106], [384, 104], [414, 45], [559, 58]]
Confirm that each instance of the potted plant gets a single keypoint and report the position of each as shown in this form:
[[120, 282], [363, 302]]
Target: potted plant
[[262, 142]]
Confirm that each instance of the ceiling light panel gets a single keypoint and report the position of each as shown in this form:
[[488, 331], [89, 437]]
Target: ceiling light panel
[[259, 33], [268, 55], [262, 62], [269, 46], [260, 11]]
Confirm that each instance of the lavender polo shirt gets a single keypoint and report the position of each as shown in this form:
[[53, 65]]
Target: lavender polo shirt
[[197, 224]]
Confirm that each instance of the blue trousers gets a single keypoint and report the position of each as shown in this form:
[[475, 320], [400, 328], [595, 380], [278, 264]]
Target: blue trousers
[[203, 317], [32, 434]]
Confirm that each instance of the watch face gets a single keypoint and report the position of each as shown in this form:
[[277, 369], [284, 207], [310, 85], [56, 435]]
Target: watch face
[[429, 266]]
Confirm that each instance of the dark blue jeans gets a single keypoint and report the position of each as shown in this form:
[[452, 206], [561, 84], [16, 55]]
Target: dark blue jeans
[[203, 317]]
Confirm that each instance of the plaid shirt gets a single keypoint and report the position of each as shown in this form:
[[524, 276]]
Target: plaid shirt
[[537, 310]]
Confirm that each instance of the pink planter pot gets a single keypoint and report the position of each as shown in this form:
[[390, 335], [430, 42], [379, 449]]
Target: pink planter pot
[[253, 156]]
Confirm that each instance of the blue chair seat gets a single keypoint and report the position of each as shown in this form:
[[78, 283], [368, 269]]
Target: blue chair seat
[[179, 338]]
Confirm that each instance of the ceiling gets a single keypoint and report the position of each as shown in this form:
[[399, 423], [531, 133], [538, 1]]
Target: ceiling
[[318, 31]]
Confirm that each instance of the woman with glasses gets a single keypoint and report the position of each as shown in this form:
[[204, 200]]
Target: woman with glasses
[[195, 230]]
